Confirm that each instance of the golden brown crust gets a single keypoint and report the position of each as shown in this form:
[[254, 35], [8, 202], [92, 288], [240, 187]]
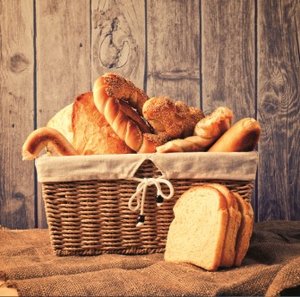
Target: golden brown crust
[[188, 144], [214, 125], [174, 118], [245, 230], [92, 133], [241, 137], [40, 138], [108, 90], [151, 142]]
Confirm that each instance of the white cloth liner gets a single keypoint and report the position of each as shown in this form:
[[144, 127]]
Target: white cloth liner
[[200, 165]]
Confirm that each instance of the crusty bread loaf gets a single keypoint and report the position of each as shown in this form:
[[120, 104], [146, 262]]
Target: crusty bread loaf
[[197, 233], [62, 122], [92, 133], [241, 137], [245, 230], [228, 254], [42, 137]]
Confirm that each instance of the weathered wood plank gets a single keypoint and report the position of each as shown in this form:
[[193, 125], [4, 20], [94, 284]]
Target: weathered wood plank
[[278, 109], [63, 59], [118, 39], [228, 58], [173, 40], [16, 110]]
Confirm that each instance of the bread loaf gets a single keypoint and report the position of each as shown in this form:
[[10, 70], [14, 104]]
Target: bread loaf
[[241, 137], [245, 230], [92, 133], [197, 233], [62, 122], [234, 222]]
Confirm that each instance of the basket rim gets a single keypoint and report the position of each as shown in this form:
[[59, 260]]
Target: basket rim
[[195, 165]]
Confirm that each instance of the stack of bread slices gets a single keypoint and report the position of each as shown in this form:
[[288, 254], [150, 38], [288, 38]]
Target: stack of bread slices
[[212, 228]]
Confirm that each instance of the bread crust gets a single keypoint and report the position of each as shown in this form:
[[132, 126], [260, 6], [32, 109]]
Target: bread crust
[[188, 144], [245, 230], [92, 133], [108, 90], [173, 118], [62, 122], [229, 252], [42, 137], [241, 137]]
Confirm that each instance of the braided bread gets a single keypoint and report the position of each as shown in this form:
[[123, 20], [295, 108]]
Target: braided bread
[[173, 118], [206, 131]]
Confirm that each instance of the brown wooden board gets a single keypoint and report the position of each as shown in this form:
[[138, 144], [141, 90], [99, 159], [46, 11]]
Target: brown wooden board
[[63, 59], [16, 113], [278, 109], [173, 42], [118, 39], [228, 58]]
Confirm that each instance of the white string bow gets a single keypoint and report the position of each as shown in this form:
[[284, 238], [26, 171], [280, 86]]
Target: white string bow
[[141, 191]]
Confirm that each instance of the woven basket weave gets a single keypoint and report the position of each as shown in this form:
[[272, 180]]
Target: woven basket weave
[[92, 217]]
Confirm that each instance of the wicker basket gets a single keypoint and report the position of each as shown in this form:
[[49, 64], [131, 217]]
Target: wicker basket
[[92, 217]]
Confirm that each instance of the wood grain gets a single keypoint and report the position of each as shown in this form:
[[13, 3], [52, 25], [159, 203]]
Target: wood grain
[[16, 110], [118, 39], [63, 58], [278, 109], [228, 56], [173, 42]]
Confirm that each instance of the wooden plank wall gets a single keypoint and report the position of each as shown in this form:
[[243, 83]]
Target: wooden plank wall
[[240, 53]]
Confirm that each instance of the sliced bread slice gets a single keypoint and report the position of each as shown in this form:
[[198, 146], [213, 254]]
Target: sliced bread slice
[[197, 233], [246, 229], [234, 221]]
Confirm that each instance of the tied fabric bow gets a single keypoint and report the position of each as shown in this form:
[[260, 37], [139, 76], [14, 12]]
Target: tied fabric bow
[[141, 191]]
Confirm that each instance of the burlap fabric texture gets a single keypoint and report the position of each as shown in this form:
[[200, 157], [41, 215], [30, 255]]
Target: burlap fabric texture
[[271, 268]]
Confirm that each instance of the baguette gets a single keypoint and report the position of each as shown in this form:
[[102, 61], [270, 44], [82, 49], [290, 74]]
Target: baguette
[[188, 144], [242, 136]]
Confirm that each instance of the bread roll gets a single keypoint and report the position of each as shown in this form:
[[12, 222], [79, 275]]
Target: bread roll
[[213, 126], [197, 233], [228, 254], [245, 230], [241, 137]]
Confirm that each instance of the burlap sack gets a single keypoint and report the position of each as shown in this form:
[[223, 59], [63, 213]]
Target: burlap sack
[[271, 268]]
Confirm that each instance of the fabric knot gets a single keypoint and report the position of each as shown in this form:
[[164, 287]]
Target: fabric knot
[[141, 191]]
